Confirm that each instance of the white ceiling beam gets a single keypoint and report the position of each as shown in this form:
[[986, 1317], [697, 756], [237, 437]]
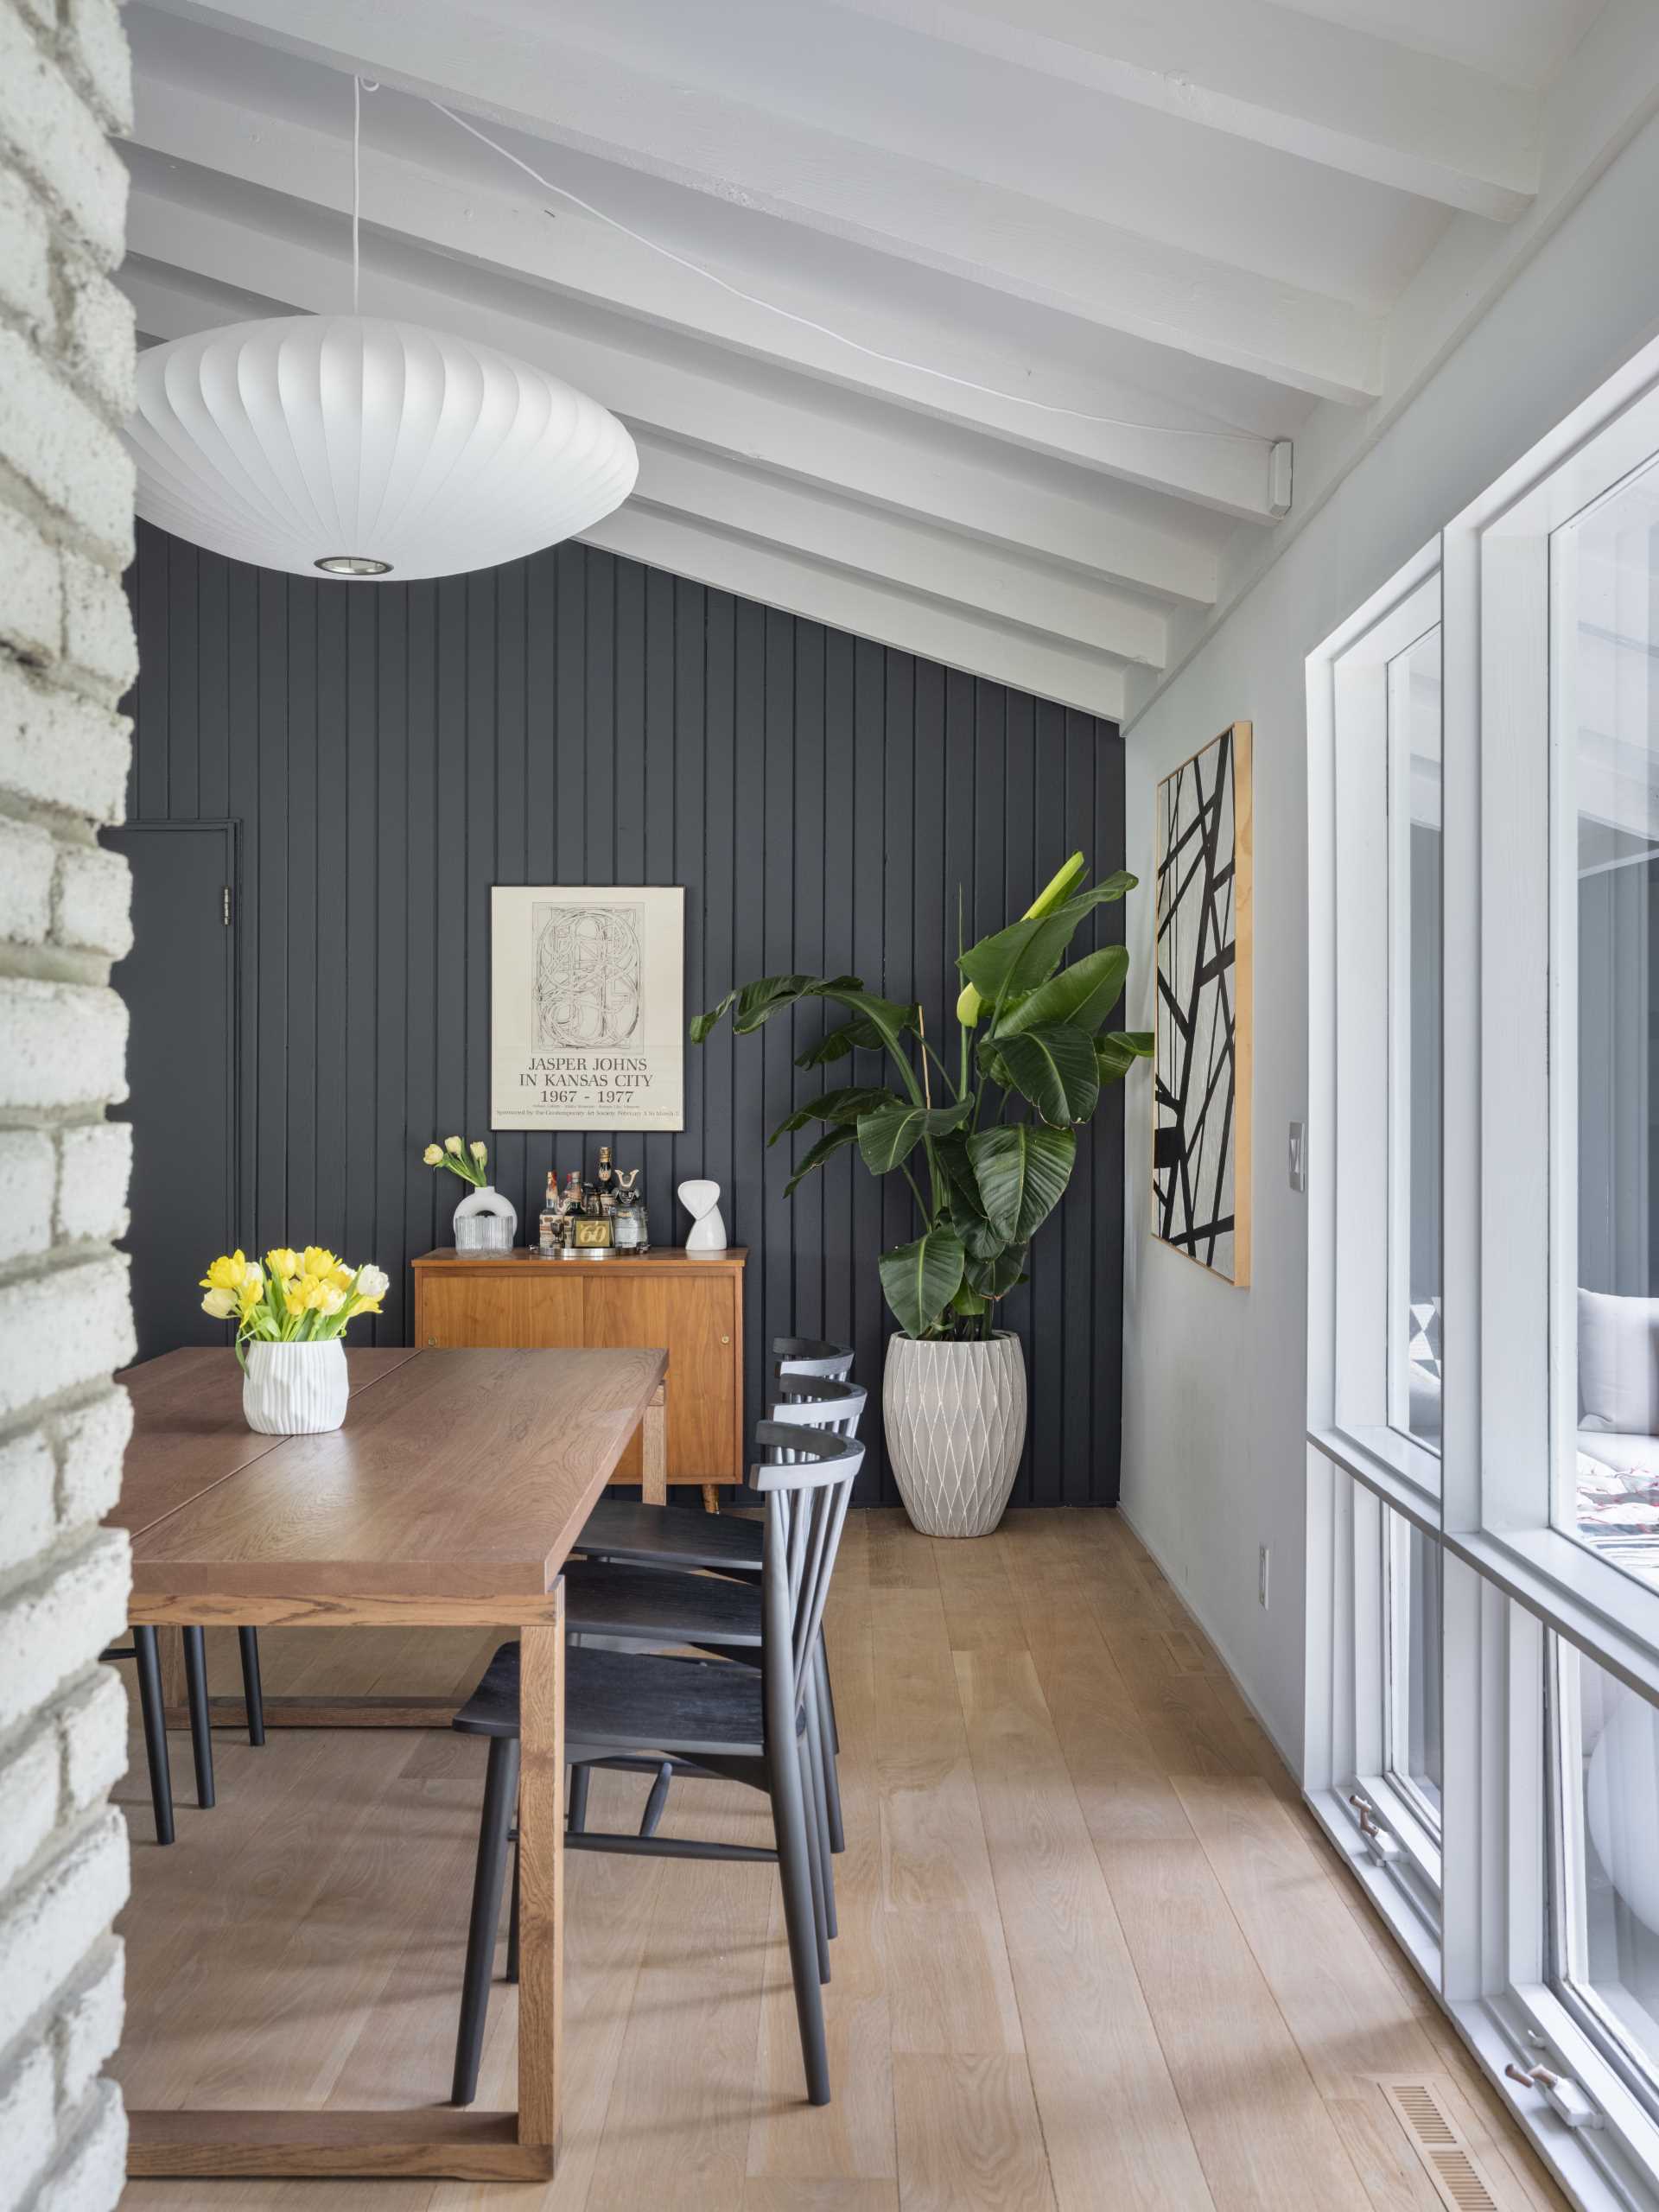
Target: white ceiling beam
[[930, 627], [893, 469], [1345, 98], [509, 229], [907, 556], [918, 210]]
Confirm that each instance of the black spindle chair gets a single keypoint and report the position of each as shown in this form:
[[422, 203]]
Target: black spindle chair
[[708, 1717]]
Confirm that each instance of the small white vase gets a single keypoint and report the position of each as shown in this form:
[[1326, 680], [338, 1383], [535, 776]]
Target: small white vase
[[486, 1223], [708, 1232], [954, 1417], [295, 1390]]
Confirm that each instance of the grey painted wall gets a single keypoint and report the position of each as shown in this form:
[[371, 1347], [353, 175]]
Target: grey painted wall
[[389, 752]]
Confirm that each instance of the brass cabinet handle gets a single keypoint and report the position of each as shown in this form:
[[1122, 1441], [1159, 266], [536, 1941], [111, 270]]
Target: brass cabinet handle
[[725, 1340]]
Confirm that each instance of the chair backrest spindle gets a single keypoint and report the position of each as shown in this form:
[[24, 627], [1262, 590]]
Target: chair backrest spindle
[[807, 1477]]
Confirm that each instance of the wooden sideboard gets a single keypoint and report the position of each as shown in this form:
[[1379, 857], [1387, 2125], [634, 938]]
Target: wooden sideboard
[[694, 1307]]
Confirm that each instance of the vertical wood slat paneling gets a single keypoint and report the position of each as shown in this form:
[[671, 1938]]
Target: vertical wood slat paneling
[[389, 753]]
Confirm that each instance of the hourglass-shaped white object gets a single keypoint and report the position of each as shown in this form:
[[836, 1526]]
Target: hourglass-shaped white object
[[708, 1232]]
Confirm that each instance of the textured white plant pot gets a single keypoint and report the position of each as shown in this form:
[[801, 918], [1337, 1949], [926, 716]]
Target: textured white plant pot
[[955, 1416], [295, 1390], [485, 1223]]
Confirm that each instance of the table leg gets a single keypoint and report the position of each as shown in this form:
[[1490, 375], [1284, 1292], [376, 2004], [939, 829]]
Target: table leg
[[653, 1446], [541, 1877]]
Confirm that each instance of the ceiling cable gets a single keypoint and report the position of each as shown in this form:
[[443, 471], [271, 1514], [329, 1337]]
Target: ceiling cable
[[823, 330]]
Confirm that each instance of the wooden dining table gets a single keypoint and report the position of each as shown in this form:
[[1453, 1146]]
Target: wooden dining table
[[451, 1498]]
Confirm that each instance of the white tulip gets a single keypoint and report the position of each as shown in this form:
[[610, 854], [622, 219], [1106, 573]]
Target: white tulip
[[478, 1152], [221, 1304], [372, 1282]]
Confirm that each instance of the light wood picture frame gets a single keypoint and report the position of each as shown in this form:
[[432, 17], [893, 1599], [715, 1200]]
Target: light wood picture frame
[[1202, 1059]]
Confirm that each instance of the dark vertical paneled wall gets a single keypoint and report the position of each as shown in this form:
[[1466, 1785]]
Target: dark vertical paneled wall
[[390, 752]]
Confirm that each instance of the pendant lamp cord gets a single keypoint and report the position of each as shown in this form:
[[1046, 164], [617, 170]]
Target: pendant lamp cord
[[826, 330], [359, 86], [357, 177]]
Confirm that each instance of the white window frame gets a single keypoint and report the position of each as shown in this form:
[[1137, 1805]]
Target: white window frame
[[1356, 1016], [1376, 1825], [1508, 1411]]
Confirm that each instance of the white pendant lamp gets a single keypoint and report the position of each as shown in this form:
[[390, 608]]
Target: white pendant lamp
[[367, 449]]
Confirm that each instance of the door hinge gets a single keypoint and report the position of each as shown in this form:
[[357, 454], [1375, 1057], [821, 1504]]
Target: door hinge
[[224, 896]]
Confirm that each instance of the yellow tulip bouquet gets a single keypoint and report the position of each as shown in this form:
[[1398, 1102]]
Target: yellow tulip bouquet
[[295, 1298], [465, 1160]]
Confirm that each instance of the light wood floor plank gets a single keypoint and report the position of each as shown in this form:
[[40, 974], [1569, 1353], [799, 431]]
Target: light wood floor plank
[[970, 2139], [1090, 2044]]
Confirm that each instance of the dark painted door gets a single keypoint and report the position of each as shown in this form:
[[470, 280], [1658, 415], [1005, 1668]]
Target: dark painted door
[[178, 982]]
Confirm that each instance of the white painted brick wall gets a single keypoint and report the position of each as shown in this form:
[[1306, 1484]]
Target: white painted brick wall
[[67, 655]]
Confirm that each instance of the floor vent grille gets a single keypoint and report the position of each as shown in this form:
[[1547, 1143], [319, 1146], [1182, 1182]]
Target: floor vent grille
[[1438, 2141]]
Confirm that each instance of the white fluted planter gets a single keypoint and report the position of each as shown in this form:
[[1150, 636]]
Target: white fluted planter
[[295, 1390], [955, 1416]]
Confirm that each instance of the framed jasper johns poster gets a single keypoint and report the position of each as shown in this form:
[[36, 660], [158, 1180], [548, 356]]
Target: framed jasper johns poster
[[587, 1007]]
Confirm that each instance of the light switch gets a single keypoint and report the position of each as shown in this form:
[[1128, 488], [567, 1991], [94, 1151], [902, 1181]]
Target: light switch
[[1298, 1156]]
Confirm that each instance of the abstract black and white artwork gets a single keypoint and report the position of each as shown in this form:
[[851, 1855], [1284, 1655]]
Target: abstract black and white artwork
[[588, 1006], [1200, 1156]]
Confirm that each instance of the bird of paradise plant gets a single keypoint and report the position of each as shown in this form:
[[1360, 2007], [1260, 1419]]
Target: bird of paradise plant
[[996, 1152], [295, 1298]]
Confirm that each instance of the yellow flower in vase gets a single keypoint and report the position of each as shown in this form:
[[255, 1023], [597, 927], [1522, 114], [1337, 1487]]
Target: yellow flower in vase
[[433, 1155], [318, 1263], [226, 1274], [219, 1303], [282, 1263]]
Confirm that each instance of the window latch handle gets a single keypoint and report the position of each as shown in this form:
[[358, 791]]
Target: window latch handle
[[1563, 2093], [1381, 1845]]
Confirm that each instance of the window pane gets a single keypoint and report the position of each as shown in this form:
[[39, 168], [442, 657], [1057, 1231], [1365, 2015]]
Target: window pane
[[1608, 771], [1606, 1880], [1415, 837], [1413, 1747]]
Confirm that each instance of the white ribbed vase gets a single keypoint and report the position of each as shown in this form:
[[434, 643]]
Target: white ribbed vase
[[295, 1390], [955, 1416]]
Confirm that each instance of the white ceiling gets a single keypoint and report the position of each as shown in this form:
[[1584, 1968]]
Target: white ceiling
[[1203, 219]]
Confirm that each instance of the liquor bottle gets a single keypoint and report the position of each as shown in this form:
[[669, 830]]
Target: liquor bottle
[[628, 1221], [604, 1193], [550, 1229]]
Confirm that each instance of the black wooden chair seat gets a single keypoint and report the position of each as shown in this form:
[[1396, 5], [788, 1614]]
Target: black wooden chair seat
[[676, 1535], [652, 1605], [633, 1702]]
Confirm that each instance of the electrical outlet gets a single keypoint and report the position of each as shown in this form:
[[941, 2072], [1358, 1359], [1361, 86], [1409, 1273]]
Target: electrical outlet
[[1262, 1579]]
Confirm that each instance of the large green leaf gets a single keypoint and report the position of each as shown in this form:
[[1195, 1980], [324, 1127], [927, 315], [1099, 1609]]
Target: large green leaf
[[1022, 1172], [831, 1142], [1020, 958], [1054, 1067], [753, 1004], [996, 1276], [918, 1281], [890, 1133], [843, 1105], [1116, 1052], [1081, 994], [835, 1044]]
